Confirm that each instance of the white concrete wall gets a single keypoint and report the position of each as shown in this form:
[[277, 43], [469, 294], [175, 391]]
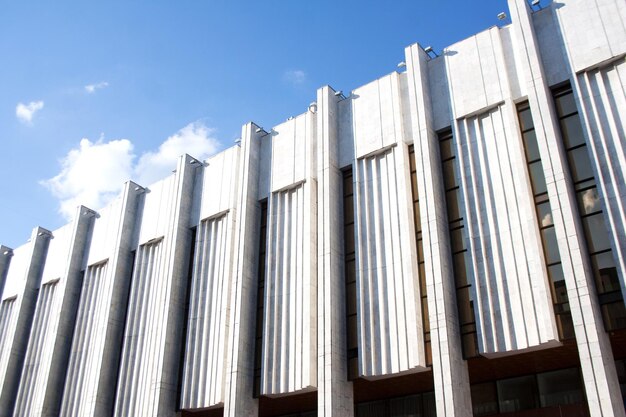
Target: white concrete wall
[[512, 301], [121, 353], [290, 314], [95, 349], [148, 375], [52, 330], [213, 215]]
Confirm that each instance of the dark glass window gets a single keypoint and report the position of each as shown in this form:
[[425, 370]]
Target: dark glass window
[[260, 301], [352, 344], [517, 394], [560, 387], [545, 222], [458, 244], [484, 399], [590, 209], [422, 405], [420, 256]]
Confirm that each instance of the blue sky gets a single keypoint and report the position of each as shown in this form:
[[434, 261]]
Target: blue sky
[[96, 93]]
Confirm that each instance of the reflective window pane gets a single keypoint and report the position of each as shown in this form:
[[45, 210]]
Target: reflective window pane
[[449, 174], [565, 104], [544, 212], [404, 406], [588, 201], [461, 269], [580, 164], [429, 405], [517, 394], [558, 282], [607, 279], [452, 200], [614, 315], [572, 131], [466, 315], [525, 119], [561, 387], [484, 399], [595, 230], [532, 149], [447, 149], [550, 245], [537, 178], [458, 240]]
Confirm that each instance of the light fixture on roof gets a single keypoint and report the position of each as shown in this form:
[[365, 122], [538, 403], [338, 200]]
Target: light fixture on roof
[[429, 50], [536, 3], [258, 130], [501, 16], [401, 64], [238, 140], [338, 93]]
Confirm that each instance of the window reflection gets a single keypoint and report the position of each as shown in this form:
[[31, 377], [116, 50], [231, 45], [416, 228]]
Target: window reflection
[[588, 201], [596, 233]]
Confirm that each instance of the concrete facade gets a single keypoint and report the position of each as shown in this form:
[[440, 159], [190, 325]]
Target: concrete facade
[[150, 306]]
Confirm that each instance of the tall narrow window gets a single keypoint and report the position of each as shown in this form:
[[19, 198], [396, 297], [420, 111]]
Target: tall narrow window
[[420, 256], [460, 255], [260, 301], [350, 275], [590, 210], [546, 225]]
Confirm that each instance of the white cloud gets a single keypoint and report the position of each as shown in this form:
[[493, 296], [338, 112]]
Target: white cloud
[[294, 77], [91, 174], [91, 88], [94, 173], [194, 139], [25, 112]]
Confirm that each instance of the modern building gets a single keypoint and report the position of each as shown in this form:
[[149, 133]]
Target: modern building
[[448, 240]]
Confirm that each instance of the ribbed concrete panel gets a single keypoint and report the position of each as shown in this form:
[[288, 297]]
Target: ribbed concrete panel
[[512, 301], [290, 296], [82, 378], [137, 375], [207, 331], [31, 393], [389, 313], [603, 92], [7, 325]]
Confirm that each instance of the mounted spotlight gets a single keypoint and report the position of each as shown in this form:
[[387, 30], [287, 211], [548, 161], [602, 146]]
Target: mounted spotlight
[[401, 64], [501, 16], [430, 51]]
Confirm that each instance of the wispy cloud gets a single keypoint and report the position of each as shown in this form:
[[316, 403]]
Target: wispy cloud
[[195, 139], [295, 77], [26, 112], [91, 88], [93, 173]]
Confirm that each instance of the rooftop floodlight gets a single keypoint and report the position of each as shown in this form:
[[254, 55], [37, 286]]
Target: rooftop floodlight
[[238, 140], [536, 3], [501, 16], [338, 93], [258, 130], [401, 64], [429, 50]]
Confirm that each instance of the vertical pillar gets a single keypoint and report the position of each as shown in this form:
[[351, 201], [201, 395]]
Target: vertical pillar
[[239, 401], [6, 254], [451, 379], [596, 358], [15, 341], [335, 395]]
